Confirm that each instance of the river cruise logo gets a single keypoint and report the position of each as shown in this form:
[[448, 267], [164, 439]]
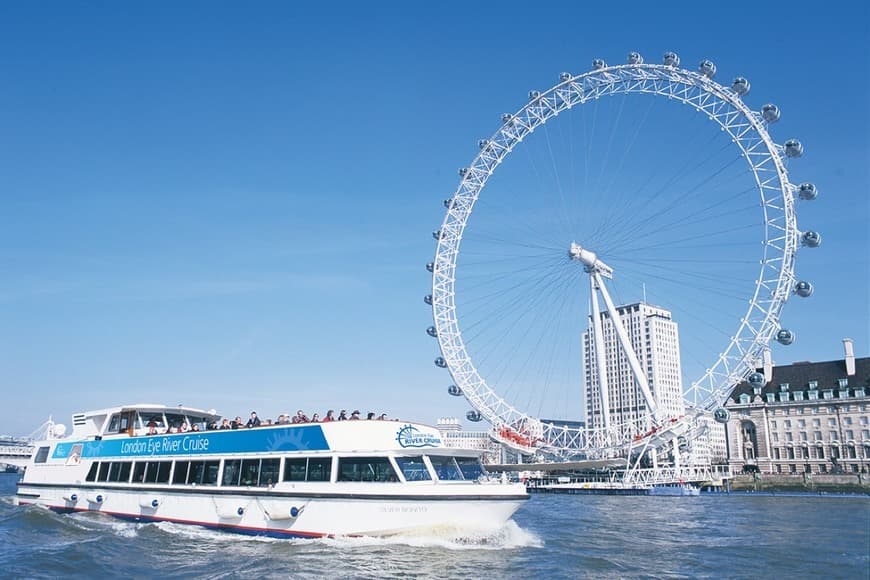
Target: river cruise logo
[[410, 436]]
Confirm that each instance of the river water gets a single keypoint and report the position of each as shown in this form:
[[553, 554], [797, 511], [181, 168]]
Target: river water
[[553, 536]]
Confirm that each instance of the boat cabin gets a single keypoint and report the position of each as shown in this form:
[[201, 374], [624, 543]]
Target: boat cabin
[[140, 419]]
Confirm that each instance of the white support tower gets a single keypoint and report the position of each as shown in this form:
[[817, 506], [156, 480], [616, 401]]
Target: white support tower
[[631, 357]]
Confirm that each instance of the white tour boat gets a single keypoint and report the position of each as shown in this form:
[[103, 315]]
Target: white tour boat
[[289, 480]]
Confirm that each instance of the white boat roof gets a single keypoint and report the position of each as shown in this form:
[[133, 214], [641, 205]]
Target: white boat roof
[[152, 408]]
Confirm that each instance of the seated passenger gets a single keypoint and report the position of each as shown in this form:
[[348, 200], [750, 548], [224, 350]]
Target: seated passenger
[[254, 421], [354, 416], [342, 416], [195, 427], [370, 415], [152, 427], [225, 424], [382, 417], [315, 418], [237, 423], [300, 417], [329, 416]]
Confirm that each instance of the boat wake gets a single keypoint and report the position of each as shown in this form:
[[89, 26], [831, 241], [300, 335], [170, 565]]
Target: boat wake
[[509, 536]]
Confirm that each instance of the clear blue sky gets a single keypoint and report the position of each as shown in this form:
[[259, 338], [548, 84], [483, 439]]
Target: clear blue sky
[[229, 205]]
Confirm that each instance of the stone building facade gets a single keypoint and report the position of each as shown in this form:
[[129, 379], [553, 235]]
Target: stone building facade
[[805, 418]]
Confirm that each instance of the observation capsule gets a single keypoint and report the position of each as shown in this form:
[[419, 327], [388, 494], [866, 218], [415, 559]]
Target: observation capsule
[[436, 234], [565, 77], [447, 203], [506, 118], [803, 289], [740, 86], [430, 266], [462, 171], [598, 64], [785, 337], [811, 239], [707, 68], [770, 113], [534, 95], [671, 59], [473, 416], [793, 148], [756, 379], [721, 415], [454, 391], [482, 143], [440, 362], [428, 299], [635, 58], [432, 332], [807, 191]]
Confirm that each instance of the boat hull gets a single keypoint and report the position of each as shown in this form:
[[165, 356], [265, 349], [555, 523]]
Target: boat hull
[[285, 514]]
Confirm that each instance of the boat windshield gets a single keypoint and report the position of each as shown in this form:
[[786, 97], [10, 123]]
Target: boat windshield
[[446, 468], [471, 467], [413, 468]]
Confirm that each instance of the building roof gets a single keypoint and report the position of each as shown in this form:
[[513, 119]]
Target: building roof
[[798, 376]]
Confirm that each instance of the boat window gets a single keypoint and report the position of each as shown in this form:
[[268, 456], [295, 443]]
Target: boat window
[[320, 469], [163, 470], [151, 471], [119, 471], [269, 470], [180, 473], [250, 471], [113, 423], [104, 471], [197, 468], [210, 475], [376, 469], [471, 467], [445, 468], [92, 472], [41, 455], [139, 472], [115, 471], [203, 472], [175, 420], [157, 418], [294, 469], [232, 469], [127, 421], [157, 471], [124, 475], [413, 468]]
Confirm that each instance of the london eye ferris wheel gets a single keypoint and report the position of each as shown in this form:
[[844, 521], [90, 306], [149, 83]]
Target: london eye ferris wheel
[[627, 183]]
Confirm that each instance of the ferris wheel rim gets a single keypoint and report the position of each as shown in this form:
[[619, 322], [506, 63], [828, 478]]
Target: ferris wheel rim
[[747, 129]]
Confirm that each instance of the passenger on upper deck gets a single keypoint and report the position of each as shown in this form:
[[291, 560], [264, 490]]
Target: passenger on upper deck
[[152, 427], [342, 416], [382, 417], [370, 416], [225, 424], [354, 416], [300, 417], [329, 416], [315, 418], [254, 421]]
